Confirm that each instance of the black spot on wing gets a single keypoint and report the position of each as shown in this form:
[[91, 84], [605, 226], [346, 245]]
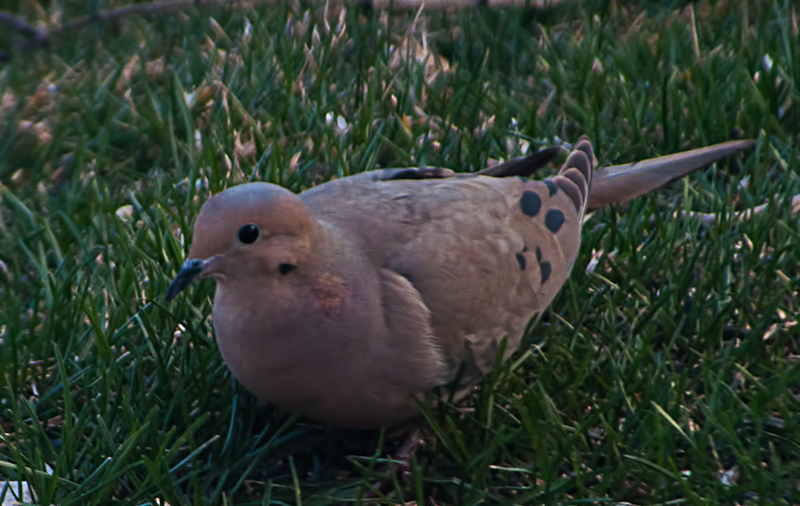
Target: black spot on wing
[[546, 270], [585, 145], [530, 203], [407, 276], [414, 173], [553, 220], [578, 160], [572, 191], [551, 186], [521, 260], [538, 254], [576, 177]]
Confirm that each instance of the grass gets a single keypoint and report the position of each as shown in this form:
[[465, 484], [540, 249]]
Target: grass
[[665, 372]]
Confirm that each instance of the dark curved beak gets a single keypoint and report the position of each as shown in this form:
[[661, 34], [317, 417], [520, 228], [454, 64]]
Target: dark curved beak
[[190, 272]]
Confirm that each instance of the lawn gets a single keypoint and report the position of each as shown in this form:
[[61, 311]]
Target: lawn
[[666, 370]]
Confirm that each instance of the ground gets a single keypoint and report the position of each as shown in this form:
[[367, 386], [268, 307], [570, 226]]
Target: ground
[[665, 372]]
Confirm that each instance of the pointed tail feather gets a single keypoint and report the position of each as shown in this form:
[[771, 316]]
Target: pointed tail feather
[[619, 183]]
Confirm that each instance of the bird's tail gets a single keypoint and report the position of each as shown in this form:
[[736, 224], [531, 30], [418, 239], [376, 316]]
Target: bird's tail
[[619, 183]]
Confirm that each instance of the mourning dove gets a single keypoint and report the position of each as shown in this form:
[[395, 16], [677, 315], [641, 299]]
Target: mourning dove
[[348, 301]]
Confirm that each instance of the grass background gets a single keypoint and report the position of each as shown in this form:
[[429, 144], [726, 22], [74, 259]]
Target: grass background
[[665, 372]]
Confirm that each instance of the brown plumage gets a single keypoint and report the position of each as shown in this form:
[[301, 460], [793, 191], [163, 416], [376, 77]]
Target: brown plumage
[[349, 299]]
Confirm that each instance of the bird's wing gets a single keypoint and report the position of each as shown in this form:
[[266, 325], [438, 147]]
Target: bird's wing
[[482, 254]]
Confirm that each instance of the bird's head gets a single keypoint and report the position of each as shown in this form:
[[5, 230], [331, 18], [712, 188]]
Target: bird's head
[[255, 231]]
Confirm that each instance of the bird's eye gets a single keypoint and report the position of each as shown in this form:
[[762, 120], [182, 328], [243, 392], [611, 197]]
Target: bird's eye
[[248, 234], [285, 268]]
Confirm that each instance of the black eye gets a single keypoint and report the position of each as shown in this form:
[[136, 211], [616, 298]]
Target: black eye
[[248, 234], [285, 269]]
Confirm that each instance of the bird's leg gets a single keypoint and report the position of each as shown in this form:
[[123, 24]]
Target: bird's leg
[[402, 464], [407, 451]]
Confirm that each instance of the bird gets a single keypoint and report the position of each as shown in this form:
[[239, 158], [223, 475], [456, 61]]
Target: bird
[[353, 301]]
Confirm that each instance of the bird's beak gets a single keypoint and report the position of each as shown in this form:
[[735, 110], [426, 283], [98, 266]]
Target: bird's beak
[[191, 271]]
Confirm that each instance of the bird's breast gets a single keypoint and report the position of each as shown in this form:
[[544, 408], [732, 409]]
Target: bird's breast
[[330, 292]]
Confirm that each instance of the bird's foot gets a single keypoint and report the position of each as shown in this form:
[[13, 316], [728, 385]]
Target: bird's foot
[[399, 467]]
